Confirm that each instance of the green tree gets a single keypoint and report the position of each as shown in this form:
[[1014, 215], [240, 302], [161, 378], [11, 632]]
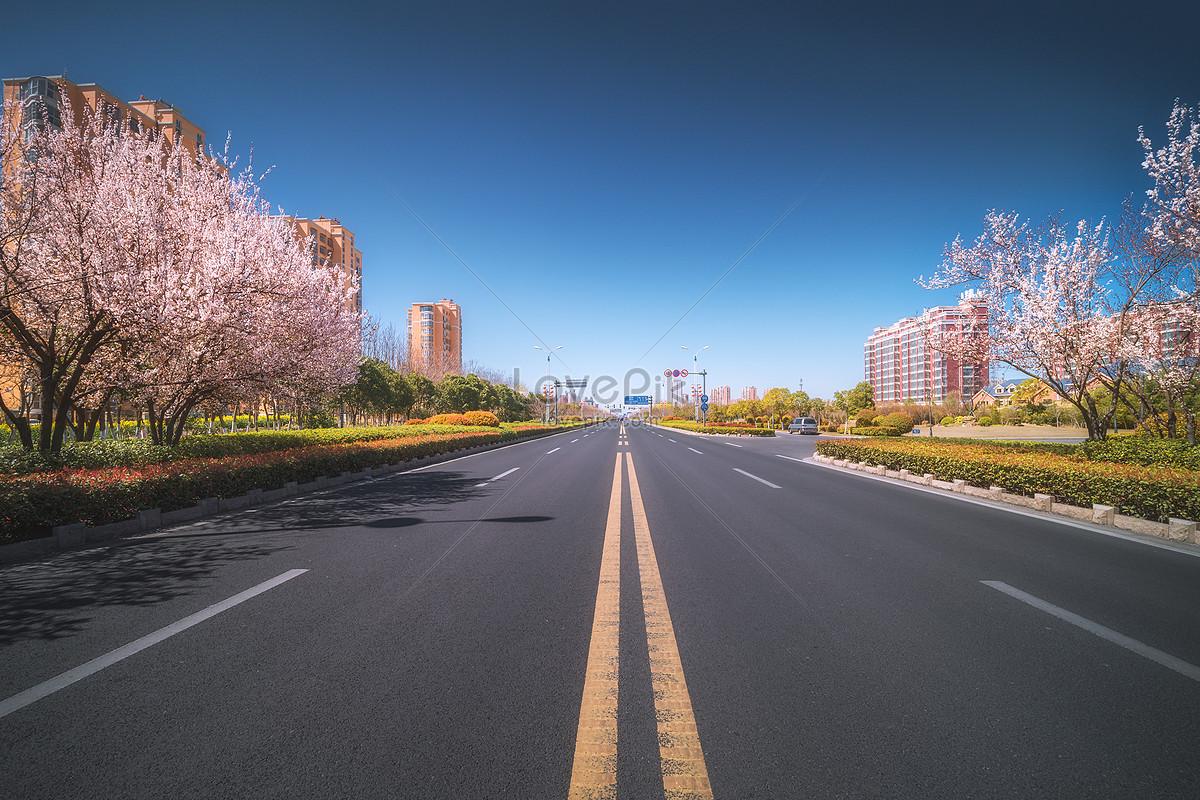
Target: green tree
[[853, 400]]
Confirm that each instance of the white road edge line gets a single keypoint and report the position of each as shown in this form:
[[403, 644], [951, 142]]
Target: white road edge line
[[1127, 536], [789, 458], [694, 450], [555, 450], [755, 477], [1121, 640], [46, 688]]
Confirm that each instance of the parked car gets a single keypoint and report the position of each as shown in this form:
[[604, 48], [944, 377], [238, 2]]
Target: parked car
[[803, 425]]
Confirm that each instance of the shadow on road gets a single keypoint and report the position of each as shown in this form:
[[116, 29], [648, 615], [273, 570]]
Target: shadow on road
[[49, 600]]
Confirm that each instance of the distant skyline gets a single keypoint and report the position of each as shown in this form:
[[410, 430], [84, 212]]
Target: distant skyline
[[598, 168]]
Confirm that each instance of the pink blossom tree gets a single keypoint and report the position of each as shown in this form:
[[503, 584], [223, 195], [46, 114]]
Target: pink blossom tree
[[1049, 305]]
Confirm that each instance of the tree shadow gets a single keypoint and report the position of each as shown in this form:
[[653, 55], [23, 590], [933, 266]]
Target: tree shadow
[[51, 599]]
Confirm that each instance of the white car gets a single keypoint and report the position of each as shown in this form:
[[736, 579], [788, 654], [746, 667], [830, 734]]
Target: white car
[[804, 425]]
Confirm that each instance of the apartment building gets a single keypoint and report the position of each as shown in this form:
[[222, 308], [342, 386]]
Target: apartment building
[[750, 393], [435, 338], [899, 363], [719, 396], [332, 243], [44, 99]]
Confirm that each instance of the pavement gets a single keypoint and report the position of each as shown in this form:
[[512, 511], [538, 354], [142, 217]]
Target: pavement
[[620, 612]]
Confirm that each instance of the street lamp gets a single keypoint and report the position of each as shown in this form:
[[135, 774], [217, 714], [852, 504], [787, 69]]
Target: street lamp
[[704, 377], [548, 352]]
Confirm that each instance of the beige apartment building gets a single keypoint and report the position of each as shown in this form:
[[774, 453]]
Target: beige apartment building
[[333, 243], [435, 338]]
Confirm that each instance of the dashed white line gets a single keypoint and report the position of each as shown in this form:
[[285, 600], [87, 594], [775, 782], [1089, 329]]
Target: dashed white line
[[555, 450], [755, 477], [498, 477], [573, 441], [46, 688], [1121, 640], [669, 439], [731, 444], [789, 458], [694, 450]]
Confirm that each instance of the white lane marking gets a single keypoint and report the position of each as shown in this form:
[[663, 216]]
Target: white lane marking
[[573, 441], [671, 440], [731, 444], [660, 436], [694, 450], [64, 680], [1121, 640], [789, 458], [501, 475], [555, 450], [760, 480]]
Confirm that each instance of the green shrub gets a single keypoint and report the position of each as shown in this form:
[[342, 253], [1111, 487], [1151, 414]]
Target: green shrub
[[1148, 492], [986, 422], [948, 421], [865, 417], [875, 430], [1144, 450], [898, 420]]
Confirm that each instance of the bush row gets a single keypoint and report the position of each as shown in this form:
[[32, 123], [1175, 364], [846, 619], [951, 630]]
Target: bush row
[[139, 452], [1154, 493], [34, 503], [875, 430], [731, 430]]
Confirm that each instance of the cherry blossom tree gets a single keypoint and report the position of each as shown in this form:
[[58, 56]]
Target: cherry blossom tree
[[1049, 305], [128, 262]]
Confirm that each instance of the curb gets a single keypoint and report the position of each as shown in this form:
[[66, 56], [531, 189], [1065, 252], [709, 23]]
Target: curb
[[76, 535], [1178, 531]]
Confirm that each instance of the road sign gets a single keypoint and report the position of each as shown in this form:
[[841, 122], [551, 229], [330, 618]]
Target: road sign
[[674, 373], [637, 400], [704, 406], [704, 399], [683, 373], [666, 373]]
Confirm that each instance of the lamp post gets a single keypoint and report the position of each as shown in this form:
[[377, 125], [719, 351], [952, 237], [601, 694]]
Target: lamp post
[[548, 352], [704, 377]]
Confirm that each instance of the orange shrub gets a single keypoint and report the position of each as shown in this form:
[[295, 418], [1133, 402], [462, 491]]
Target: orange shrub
[[482, 418]]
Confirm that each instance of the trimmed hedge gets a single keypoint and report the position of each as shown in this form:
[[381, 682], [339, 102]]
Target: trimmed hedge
[[875, 430], [1154, 493], [34, 503], [731, 430], [140, 452]]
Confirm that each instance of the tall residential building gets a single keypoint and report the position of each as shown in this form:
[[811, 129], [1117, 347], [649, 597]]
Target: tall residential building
[[43, 100], [719, 396], [899, 364], [332, 243], [750, 393], [435, 338]]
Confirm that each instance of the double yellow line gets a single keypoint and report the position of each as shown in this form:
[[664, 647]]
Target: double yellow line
[[594, 772]]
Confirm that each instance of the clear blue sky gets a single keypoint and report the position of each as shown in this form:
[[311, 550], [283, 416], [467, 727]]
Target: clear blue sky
[[599, 166]]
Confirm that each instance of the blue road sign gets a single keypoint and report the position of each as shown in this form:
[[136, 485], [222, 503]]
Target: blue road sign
[[703, 398], [704, 406], [637, 400]]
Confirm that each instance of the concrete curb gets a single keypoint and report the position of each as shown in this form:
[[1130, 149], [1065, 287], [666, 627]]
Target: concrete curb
[[1177, 530], [75, 535]]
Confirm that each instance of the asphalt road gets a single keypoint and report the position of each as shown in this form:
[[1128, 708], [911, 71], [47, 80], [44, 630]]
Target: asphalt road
[[756, 624]]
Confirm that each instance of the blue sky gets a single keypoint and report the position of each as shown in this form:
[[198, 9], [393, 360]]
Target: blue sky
[[601, 166]]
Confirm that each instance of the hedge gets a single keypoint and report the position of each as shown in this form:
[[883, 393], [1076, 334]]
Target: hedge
[[875, 430], [733, 431], [1154, 493], [140, 452], [32, 504]]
